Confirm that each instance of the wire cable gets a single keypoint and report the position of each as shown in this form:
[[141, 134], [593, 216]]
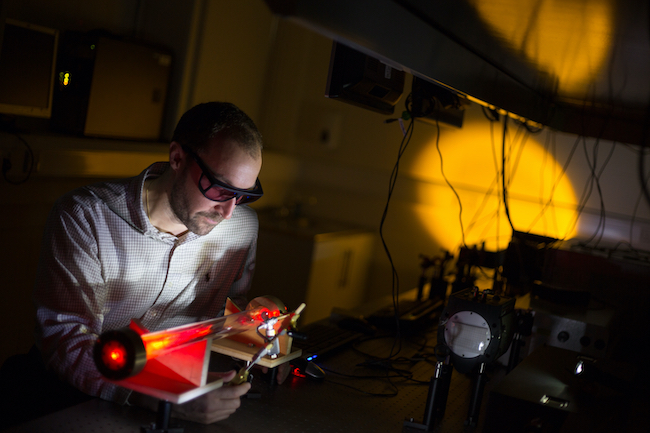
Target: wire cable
[[644, 179], [504, 190], [642, 176], [556, 183], [28, 164], [492, 116], [442, 171], [391, 188], [593, 180], [600, 229]]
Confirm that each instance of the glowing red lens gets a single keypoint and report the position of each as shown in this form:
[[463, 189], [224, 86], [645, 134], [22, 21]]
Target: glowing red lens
[[114, 355]]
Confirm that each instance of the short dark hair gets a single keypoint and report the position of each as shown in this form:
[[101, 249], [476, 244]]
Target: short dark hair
[[205, 121]]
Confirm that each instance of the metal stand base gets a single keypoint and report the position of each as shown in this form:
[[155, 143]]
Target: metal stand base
[[477, 397], [436, 398], [162, 420]]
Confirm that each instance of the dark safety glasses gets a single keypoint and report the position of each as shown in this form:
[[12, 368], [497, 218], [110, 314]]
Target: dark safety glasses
[[215, 190]]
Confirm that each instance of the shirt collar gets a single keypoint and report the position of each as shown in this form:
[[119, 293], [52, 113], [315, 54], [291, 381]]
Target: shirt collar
[[127, 202]]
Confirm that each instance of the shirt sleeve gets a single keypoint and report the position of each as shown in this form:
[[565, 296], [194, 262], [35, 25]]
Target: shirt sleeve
[[69, 300]]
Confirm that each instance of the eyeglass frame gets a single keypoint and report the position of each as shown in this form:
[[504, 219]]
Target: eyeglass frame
[[248, 195]]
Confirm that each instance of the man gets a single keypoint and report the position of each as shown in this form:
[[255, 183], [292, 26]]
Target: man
[[166, 247]]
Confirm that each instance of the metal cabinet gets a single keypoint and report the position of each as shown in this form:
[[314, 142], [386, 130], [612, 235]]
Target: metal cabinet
[[325, 265]]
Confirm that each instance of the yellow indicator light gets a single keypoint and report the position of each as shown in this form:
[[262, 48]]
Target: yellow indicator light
[[64, 78]]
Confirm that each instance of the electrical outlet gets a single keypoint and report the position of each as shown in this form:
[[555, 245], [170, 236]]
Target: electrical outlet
[[18, 165]]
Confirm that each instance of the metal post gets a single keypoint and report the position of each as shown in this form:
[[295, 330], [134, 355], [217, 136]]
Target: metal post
[[477, 396], [164, 412], [436, 398]]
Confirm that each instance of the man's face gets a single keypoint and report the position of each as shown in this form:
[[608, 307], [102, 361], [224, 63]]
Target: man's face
[[228, 163]]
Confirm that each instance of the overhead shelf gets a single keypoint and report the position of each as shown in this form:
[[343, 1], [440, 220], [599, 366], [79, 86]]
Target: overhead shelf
[[454, 44]]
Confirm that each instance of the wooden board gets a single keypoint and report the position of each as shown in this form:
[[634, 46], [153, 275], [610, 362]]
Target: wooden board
[[241, 351]]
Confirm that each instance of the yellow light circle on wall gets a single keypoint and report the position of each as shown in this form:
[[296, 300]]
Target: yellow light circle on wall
[[541, 199], [568, 39]]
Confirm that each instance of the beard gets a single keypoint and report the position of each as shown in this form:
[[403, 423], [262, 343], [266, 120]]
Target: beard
[[196, 223]]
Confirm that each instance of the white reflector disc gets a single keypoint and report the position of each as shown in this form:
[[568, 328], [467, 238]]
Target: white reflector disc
[[467, 334]]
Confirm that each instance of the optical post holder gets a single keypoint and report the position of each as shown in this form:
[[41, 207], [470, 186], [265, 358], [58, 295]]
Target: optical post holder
[[477, 327]]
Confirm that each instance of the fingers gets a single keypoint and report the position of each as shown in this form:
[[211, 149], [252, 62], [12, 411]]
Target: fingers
[[202, 411], [222, 402], [233, 391], [225, 376], [214, 406]]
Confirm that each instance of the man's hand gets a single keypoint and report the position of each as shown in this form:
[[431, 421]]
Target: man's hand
[[216, 405]]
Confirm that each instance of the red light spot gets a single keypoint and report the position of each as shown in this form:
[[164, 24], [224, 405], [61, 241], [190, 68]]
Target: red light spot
[[296, 372], [114, 355], [157, 342], [262, 314]]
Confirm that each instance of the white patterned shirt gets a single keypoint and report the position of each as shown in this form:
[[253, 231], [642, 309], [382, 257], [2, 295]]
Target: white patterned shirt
[[103, 263]]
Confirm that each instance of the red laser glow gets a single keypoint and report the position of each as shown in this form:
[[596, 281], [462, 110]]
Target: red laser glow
[[114, 355]]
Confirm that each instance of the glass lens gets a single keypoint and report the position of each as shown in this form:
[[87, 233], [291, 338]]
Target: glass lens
[[467, 334], [214, 192], [242, 199], [221, 194]]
